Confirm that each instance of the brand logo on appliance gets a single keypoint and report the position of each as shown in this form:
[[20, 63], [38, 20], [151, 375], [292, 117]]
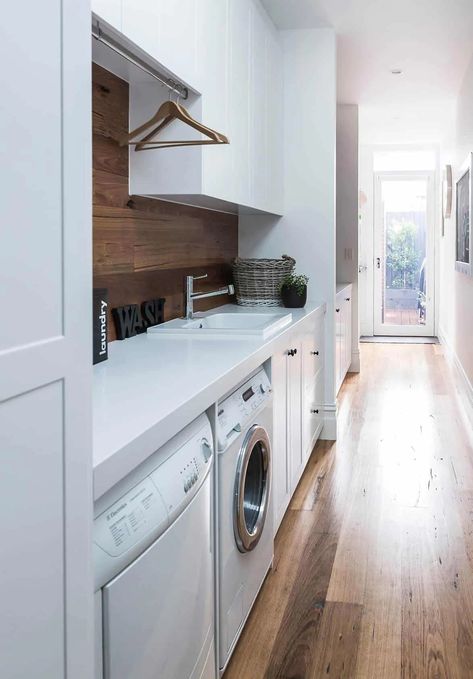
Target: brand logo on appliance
[[114, 512]]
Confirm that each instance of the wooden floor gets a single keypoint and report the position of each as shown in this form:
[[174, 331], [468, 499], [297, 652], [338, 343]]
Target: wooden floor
[[401, 317], [373, 574]]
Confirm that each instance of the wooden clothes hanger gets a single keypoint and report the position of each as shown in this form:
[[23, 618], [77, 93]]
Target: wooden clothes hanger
[[167, 112]]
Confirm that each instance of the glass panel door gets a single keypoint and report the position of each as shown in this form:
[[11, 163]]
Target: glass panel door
[[403, 266]]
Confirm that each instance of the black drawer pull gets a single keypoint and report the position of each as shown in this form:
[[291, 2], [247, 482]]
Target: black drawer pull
[[347, 299], [315, 412], [314, 353]]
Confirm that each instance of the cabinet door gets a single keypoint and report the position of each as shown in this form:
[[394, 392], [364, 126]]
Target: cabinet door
[[177, 36], [294, 407], [281, 489], [110, 11], [214, 52], [348, 333], [312, 416], [338, 343], [258, 111], [46, 585], [274, 123], [312, 340], [140, 24], [239, 77]]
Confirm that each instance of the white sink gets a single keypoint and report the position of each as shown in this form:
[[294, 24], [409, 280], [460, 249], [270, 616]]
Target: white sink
[[261, 325]]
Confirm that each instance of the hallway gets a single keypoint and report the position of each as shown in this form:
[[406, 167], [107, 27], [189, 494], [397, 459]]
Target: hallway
[[373, 574]]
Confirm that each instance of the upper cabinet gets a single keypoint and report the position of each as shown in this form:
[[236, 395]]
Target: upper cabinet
[[229, 54], [166, 30], [110, 11]]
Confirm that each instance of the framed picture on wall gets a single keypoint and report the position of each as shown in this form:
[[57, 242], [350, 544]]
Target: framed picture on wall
[[463, 217], [446, 196]]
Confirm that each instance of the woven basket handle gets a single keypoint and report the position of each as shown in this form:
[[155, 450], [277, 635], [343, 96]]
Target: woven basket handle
[[289, 259]]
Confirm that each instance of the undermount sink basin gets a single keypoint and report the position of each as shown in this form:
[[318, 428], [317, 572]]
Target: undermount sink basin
[[229, 324]]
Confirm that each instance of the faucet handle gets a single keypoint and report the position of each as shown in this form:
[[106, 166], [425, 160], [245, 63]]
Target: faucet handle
[[198, 278]]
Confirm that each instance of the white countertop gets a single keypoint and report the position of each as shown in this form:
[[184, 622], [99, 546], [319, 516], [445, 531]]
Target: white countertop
[[152, 386]]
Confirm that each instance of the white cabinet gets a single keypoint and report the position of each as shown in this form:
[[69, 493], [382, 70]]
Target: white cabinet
[[312, 357], [232, 51], [167, 31], [287, 431], [281, 486], [343, 334], [46, 584], [110, 11], [140, 24], [298, 386], [294, 411]]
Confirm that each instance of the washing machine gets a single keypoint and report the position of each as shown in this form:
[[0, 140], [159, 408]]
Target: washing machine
[[154, 565], [244, 505]]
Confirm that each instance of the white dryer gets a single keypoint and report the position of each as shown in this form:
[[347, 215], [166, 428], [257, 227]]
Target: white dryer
[[245, 517], [154, 566]]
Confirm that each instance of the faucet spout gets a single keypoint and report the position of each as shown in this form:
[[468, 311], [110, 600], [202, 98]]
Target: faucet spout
[[191, 295]]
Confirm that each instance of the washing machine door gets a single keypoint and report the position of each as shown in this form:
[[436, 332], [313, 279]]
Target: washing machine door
[[252, 485]]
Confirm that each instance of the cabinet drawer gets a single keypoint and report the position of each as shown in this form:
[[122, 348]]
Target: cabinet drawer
[[312, 415]]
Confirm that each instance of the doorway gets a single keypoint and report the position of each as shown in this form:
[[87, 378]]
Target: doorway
[[403, 240]]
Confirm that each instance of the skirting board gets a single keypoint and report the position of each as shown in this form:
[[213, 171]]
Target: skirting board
[[464, 388], [329, 431]]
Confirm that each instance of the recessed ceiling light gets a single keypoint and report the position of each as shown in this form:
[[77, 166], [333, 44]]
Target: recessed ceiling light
[[396, 71]]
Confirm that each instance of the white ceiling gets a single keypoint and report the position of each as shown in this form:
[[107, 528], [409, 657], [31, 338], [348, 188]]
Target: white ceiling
[[430, 40]]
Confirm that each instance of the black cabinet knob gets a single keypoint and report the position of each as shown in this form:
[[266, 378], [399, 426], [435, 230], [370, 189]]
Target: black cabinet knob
[[337, 310], [314, 353], [295, 351], [314, 412], [347, 299], [290, 352]]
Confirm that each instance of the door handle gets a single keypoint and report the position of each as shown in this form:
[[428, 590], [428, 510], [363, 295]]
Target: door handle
[[378, 262]]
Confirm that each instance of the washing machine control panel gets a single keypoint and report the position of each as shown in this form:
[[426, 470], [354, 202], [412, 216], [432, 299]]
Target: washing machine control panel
[[237, 409]]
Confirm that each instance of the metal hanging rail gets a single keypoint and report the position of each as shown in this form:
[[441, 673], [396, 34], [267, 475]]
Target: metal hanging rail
[[171, 84]]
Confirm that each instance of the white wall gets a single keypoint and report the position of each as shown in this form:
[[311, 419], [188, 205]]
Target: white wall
[[456, 289], [347, 214], [307, 230]]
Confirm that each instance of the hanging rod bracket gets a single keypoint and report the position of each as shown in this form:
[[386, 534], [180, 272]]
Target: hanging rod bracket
[[172, 85]]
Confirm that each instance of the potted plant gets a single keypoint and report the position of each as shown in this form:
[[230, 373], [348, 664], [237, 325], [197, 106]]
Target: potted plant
[[294, 290]]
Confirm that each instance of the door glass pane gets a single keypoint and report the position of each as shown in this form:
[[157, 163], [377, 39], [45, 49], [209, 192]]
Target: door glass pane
[[405, 247], [254, 487]]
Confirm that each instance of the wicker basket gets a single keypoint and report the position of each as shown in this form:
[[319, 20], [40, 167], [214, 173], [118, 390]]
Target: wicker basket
[[257, 281]]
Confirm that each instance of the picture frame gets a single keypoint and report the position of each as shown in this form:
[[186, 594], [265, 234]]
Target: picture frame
[[463, 196], [447, 187]]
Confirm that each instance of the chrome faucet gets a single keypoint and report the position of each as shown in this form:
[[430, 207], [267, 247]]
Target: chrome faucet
[[191, 295]]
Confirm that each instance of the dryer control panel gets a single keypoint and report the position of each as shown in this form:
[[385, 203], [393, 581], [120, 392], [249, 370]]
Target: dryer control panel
[[237, 409], [137, 517]]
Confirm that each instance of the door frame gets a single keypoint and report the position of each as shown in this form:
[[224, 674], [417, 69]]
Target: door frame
[[380, 329]]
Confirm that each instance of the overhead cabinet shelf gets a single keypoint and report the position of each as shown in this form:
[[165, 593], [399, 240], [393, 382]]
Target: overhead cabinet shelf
[[228, 53]]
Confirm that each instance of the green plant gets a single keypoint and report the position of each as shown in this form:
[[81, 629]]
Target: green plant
[[295, 282], [402, 255]]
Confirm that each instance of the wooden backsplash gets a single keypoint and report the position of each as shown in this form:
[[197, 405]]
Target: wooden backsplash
[[143, 248]]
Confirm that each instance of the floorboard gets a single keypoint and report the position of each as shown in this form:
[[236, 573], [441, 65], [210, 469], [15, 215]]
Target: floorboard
[[373, 562]]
